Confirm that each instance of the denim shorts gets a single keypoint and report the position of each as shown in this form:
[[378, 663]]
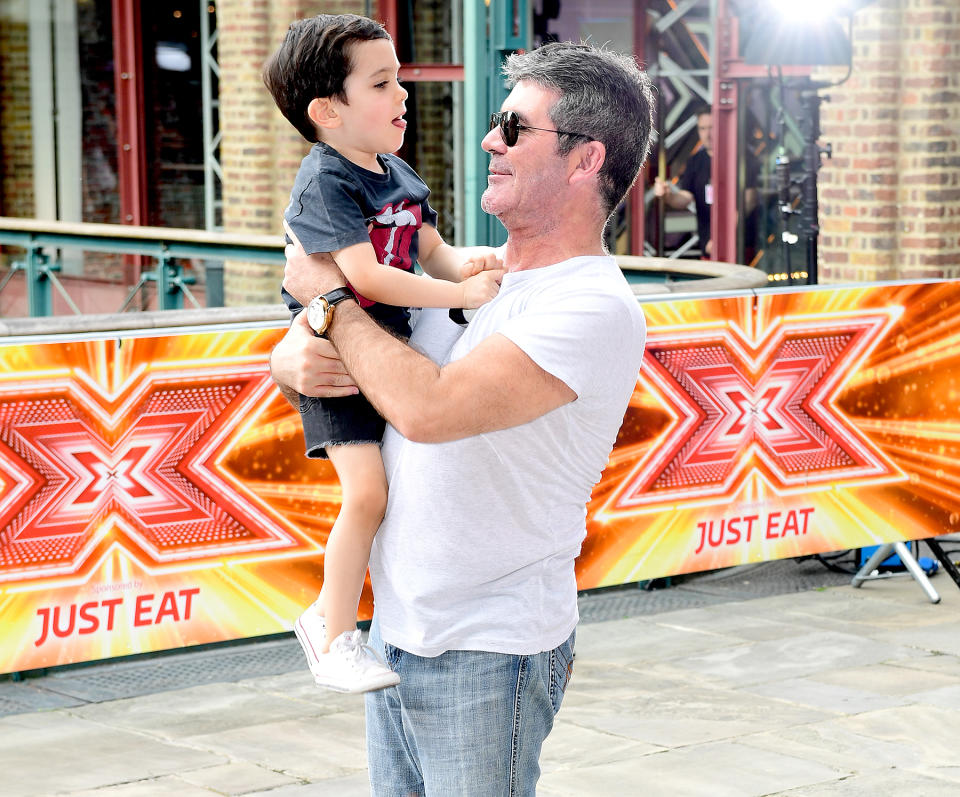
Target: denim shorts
[[346, 419], [466, 723]]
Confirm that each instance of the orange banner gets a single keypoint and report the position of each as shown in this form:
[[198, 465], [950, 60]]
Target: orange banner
[[781, 425], [154, 492], [154, 495]]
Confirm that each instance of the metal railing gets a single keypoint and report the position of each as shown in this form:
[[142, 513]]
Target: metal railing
[[41, 238], [44, 240], [649, 275]]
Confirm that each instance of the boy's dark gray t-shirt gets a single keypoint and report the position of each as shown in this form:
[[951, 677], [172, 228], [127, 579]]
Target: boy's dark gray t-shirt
[[335, 204]]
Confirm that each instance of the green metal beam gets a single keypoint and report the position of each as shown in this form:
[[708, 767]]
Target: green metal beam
[[39, 295], [492, 29], [171, 283]]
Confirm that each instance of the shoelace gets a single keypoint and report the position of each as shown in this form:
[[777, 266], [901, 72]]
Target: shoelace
[[354, 652], [358, 650]]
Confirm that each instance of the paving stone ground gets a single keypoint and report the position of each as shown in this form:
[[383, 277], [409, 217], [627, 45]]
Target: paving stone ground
[[775, 679]]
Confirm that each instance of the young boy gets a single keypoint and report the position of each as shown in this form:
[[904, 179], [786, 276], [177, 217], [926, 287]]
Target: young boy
[[335, 78]]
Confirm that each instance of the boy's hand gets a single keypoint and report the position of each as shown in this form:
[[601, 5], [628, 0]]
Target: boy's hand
[[481, 261], [480, 288]]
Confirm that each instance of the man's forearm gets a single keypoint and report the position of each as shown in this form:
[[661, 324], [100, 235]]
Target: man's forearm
[[302, 364], [290, 395], [679, 199], [395, 379]]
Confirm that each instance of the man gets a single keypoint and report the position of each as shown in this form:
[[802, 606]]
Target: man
[[695, 186], [492, 454]]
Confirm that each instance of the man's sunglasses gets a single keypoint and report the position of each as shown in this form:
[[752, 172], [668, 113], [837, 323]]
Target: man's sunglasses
[[510, 127]]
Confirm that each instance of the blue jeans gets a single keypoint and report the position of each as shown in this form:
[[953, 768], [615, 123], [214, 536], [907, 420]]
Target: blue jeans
[[463, 723]]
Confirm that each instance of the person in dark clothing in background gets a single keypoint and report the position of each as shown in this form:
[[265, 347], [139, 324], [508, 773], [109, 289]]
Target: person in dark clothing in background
[[694, 185]]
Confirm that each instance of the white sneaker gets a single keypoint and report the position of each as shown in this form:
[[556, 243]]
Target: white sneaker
[[352, 667], [311, 631]]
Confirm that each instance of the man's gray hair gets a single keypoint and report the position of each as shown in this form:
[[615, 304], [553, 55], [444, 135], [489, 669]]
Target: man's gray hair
[[604, 95]]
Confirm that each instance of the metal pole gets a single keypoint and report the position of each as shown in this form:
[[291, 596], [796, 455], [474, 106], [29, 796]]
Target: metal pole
[[884, 551], [208, 69], [491, 31], [169, 295], [944, 560], [723, 164], [39, 295], [131, 134], [475, 21], [810, 210], [638, 212]]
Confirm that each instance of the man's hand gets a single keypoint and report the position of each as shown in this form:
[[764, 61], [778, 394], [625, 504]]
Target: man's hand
[[306, 276], [480, 288], [306, 364], [482, 258], [676, 198]]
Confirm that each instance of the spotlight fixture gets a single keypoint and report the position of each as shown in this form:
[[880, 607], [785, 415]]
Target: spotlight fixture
[[796, 32]]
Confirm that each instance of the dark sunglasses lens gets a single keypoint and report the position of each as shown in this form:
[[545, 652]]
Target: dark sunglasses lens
[[510, 128], [509, 124]]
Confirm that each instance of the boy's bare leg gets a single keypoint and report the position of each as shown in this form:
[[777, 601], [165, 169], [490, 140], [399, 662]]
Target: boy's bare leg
[[364, 485]]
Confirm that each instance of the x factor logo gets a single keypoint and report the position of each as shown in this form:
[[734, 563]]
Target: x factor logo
[[762, 404], [143, 465]]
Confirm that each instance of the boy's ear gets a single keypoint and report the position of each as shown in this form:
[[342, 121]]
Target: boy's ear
[[323, 114]]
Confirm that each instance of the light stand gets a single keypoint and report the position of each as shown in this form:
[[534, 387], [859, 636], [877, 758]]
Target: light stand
[[882, 553], [792, 33], [812, 161], [810, 164]]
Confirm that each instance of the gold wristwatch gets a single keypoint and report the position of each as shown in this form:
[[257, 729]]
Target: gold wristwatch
[[320, 309]]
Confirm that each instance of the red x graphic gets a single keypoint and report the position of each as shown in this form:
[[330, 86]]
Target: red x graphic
[[740, 406], [142, 466], [107, 474]]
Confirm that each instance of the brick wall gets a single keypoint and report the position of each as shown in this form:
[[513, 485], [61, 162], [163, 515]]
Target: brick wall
[[433, 31], [890, 197], [260, 151], [434, 151], [243, 44], [16, 142]]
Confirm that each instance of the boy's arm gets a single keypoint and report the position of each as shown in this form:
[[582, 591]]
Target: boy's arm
[[453, 263], [393, 286], [495, 386]]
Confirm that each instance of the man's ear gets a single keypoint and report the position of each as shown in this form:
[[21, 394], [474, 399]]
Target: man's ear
[[323, 113], [586, 160]]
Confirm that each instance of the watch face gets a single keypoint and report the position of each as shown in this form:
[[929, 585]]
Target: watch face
[[316, 311]]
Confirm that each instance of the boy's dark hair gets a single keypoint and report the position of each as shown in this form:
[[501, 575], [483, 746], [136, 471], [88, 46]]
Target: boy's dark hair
[[314, 61]]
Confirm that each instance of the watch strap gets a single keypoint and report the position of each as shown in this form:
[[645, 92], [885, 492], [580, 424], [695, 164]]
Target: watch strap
[[338, 295], [327, 302]]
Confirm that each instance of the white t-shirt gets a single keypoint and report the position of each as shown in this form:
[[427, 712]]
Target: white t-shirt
[[477, 548]]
